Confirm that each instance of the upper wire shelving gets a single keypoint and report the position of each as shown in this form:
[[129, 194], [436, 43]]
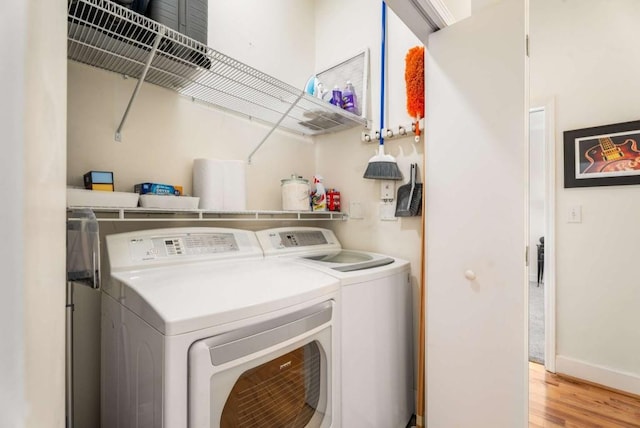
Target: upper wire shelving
[[109, 36]]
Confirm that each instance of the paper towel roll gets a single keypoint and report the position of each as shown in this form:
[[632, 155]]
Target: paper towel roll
[[220, 184], [235, 187], [208, 182]]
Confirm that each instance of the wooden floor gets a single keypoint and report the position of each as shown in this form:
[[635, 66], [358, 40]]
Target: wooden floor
[[555, 401]]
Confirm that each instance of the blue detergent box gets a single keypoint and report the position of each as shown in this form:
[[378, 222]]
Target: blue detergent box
[[157, 189]]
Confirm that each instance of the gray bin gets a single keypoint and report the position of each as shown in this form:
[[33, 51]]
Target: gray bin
[[188, 17]]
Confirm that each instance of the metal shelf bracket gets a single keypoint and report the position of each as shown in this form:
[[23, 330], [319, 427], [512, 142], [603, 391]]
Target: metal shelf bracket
[[147, 65], [273, 128]]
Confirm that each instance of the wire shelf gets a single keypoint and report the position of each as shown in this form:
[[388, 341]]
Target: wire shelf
[[108, 36], [167, 215]]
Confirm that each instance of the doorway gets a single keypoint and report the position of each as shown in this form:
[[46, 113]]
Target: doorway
[[541, 311]]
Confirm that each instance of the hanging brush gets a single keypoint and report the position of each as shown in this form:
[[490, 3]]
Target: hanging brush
[[382, 166], [414, 79]]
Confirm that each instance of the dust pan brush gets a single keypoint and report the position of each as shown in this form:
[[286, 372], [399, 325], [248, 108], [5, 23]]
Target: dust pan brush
[[382, 166]]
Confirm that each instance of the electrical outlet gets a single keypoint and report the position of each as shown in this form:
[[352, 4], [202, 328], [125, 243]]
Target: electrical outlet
[[387, 190], [388, 211]]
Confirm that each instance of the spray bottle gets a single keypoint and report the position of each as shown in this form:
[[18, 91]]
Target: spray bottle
[[319, 195]]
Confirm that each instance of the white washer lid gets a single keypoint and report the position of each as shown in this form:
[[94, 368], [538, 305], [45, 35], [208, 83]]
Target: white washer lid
[[353, 267], [320, 249], [184, 298]]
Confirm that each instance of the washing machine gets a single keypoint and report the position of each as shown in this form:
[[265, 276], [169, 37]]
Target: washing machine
[[376, 323], [200, 330]]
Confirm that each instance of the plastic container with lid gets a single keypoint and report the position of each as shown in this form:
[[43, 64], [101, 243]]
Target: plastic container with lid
[[295, 194]]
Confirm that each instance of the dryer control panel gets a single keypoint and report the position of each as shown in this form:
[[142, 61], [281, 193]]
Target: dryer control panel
[[149, 248]]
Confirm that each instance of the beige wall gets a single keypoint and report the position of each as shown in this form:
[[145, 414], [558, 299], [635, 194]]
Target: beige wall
[[586, 54], [164, 133], [342, 158], [164, 129]]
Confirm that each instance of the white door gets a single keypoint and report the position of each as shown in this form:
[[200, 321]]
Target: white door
[[475, 164]]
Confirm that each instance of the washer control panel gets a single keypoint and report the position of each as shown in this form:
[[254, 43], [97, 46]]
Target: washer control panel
[[297, 240], [301, 238]]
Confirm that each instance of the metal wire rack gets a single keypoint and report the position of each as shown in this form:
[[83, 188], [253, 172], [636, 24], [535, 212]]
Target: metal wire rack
[[106, 35]]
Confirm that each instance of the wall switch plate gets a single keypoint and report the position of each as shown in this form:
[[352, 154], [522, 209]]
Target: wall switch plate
[[387, 190], [388, 211], [575, 214], [355, 211]]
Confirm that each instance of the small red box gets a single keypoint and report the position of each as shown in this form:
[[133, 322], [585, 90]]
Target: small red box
[[333, 200]]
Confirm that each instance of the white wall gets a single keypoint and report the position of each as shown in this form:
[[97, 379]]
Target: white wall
[[586, 54], [32, 223], [275, 36]]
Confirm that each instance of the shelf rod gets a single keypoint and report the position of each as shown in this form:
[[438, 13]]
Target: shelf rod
[[273, 128], [147, 65]]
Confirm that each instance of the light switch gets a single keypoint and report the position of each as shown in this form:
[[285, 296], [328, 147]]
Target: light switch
[[387, 190], [575, 214]]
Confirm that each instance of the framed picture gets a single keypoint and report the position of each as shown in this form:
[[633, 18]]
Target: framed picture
[[602, 156]]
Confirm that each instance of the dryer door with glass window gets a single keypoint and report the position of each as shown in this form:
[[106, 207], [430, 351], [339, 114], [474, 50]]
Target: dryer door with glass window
[[272, 374]]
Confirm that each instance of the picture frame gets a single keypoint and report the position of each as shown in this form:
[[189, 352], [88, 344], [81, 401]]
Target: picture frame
[[602, 156]]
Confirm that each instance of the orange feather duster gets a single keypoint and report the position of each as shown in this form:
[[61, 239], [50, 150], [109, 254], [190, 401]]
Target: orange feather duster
[[414, 80]]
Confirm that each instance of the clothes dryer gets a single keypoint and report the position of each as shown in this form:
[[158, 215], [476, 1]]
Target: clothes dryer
[[376, 323], [199, 330]]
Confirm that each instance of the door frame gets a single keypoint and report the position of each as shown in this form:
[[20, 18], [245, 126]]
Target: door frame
[[548, 105]]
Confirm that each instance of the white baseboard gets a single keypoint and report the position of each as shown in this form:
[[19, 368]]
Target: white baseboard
[[605, 376]]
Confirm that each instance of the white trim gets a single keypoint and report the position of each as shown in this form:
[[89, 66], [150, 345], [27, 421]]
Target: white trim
[[14, 364], [550, 240], [548, 106], [601, 375], [438, 11]]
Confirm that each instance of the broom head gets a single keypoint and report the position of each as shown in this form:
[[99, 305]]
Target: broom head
[[382, 167]]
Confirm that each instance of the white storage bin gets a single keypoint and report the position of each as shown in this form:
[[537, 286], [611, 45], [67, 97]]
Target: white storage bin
[[99, 198], [169, 201]]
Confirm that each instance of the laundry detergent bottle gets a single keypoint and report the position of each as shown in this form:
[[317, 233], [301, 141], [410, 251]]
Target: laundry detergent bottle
[[349, 100], [319, 195]]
